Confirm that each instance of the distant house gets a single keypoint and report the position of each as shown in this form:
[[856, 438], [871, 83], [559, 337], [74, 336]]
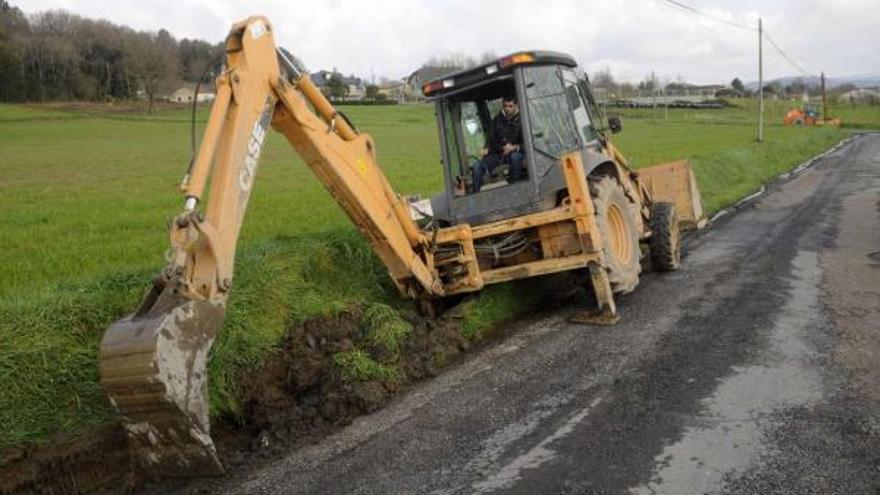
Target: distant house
[[320, 79], [729, 93], [393, 90], [357, 88], [704, 90], [186, 93], [862, 95]]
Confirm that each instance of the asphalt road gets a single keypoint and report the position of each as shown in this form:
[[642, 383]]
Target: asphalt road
[[754, 369]]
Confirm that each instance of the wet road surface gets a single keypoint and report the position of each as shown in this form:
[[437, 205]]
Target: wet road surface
[[754, 369]]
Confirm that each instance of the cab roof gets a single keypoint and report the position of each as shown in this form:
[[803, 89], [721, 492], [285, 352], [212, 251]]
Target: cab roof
[[496, 69]]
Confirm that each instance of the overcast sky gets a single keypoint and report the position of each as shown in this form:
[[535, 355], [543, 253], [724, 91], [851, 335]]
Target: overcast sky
[[633, 37]]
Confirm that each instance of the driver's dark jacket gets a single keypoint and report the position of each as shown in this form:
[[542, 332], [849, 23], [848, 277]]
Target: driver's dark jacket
[[503, 131]]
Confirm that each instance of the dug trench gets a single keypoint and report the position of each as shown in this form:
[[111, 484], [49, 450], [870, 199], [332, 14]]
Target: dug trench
[[330, 370], [326, 372]]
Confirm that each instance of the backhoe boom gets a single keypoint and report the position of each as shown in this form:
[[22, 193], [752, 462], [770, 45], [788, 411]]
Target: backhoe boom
[[153, 362]]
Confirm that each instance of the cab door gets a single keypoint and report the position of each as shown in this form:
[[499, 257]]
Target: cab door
[[578, 103]]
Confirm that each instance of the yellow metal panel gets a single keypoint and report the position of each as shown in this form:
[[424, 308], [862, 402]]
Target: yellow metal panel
[[535, 268], [509, 225], [674, 182], [559, 239]]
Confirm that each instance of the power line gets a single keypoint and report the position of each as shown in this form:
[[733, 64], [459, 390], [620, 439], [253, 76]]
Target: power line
[[786, 57], [687, 8], [691, 10]]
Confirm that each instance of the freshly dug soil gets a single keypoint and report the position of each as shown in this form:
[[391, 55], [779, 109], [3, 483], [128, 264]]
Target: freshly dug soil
[[94, 463], [299, 395]]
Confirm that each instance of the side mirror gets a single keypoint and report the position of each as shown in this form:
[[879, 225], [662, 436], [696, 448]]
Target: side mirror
[[614, 124]]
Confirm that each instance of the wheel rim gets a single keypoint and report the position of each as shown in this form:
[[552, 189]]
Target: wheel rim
[[618, 243]]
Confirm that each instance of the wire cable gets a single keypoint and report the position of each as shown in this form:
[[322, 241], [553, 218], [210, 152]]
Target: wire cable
[[785, 56], [687, 8]]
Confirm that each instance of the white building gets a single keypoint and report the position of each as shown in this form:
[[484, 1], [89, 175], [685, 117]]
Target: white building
[[186, 92], [860, 96]]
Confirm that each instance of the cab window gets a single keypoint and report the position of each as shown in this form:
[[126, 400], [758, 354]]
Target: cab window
[[577, 103], [551, 121]]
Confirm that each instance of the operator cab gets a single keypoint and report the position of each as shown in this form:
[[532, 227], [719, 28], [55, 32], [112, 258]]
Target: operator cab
[[557, 115], [811, 110]]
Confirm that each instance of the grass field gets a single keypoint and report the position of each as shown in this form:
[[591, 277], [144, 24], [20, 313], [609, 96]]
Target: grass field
[[85, 195]]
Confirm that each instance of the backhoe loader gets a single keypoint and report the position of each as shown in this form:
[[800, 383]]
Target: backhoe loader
[[577, 207]]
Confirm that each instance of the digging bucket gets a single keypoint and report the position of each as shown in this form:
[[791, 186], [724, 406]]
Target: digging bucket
[[153, 367], [674, 182]]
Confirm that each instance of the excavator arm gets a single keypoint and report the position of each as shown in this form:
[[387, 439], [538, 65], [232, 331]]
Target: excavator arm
[[153, 362]]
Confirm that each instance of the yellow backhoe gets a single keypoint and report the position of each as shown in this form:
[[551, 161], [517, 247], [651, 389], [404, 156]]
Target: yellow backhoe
[[575, 206]]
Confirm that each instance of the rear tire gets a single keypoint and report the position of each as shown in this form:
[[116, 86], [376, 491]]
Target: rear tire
[[620, 239], [665, 238]]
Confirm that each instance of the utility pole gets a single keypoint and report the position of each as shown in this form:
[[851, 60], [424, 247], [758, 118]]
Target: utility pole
[[665, 106], [760, 82], [824, 101], [653, 96]]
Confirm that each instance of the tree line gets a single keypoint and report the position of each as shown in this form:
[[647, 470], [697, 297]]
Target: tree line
[[59, 56]]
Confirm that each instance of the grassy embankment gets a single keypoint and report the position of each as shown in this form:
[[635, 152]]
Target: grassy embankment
[[84, 197]]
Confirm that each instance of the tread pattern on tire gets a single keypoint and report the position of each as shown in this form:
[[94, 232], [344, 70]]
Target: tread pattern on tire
[[604, 191], [665, 241]]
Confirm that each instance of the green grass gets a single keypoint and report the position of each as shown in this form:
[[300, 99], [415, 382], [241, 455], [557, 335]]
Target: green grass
[[85, 195], [358, 366], [721, 145], [385, 329]]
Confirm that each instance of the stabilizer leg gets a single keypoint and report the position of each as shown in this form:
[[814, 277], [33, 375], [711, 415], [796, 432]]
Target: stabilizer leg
[[606, 311]]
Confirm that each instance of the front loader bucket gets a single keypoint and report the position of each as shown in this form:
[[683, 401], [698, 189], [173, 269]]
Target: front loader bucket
[[153, 367], [674, 182]]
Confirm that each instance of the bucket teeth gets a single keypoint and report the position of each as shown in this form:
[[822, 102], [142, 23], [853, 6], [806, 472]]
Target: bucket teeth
[[153, 367]]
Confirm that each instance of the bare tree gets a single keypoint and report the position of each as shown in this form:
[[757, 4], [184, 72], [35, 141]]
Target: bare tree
[[153, 60], [487, 57], [13, 27], [451, 61], [51, 60], [649, 83], [603, 78]]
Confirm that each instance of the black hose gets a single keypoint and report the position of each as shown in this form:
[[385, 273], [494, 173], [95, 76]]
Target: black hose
[[192, 128]]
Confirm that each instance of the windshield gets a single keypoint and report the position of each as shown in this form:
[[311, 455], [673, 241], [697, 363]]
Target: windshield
[[553, 129]]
